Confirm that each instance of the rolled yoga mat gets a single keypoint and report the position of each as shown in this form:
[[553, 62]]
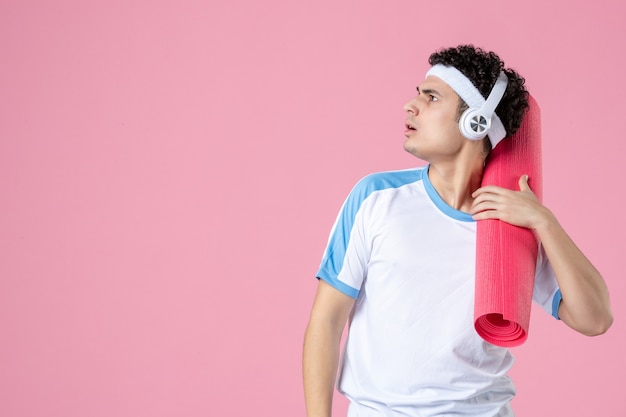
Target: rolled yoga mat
[[506, 255]]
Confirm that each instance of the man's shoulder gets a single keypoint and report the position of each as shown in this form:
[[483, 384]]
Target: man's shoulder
[[383, 180]]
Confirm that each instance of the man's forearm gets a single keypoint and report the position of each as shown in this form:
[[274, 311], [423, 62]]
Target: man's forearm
[[319, 368], [585, 306]]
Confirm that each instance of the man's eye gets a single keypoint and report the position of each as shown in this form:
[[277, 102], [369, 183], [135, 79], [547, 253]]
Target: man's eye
[[433, 98]]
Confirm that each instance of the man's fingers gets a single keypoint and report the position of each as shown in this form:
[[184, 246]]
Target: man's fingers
[[523, 183]]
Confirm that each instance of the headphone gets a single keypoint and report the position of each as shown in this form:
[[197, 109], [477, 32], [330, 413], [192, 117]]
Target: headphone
[[475, 122]]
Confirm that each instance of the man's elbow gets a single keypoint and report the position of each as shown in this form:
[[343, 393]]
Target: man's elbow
[[597, 327], [589, 323], [602, 326]]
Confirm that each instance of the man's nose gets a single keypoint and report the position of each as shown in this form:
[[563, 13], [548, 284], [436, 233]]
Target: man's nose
[[411, 106]]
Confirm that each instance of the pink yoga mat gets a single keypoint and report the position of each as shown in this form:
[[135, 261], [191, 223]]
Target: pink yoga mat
[[506, 255]]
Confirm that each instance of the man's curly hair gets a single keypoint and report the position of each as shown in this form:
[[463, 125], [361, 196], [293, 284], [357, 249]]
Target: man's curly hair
[[482, 68]]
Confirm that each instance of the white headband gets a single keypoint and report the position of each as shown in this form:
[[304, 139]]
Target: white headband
[[470, 95]]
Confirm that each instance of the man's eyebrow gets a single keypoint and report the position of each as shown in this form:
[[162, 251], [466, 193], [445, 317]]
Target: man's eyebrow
[[431, 91]]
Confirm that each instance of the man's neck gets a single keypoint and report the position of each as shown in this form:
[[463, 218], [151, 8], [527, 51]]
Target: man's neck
[[455, 182]]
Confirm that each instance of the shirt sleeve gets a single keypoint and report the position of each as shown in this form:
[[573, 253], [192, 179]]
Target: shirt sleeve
[[344, 264], [546, 291]]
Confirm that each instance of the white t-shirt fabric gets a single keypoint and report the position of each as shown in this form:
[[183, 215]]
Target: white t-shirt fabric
[[408, 259]]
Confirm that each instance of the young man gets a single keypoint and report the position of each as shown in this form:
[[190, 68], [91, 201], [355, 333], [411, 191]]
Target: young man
[[400, 263]]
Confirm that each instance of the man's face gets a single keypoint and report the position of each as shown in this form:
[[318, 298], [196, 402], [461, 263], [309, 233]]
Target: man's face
[[432, 128]]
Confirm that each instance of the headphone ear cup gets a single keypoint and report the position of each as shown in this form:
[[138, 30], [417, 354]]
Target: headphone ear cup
[[473, 124]]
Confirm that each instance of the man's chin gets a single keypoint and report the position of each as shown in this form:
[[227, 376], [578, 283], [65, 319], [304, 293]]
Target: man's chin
[[411, 149]]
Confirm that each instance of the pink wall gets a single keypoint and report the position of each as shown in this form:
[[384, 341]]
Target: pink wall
[[169, 172]]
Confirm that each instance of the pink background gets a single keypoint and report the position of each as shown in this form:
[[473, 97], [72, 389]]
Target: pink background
[[169, 172]]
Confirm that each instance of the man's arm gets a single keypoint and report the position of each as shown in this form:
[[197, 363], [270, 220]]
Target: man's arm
[[322, 340], [585, 306]]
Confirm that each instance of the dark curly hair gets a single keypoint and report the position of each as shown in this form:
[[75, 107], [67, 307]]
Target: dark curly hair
[[483, 68]]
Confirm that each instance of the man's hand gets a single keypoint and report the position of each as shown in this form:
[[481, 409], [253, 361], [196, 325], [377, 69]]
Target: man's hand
[[519, 208]]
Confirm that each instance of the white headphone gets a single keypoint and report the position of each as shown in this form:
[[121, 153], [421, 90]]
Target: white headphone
[[475, 122]]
